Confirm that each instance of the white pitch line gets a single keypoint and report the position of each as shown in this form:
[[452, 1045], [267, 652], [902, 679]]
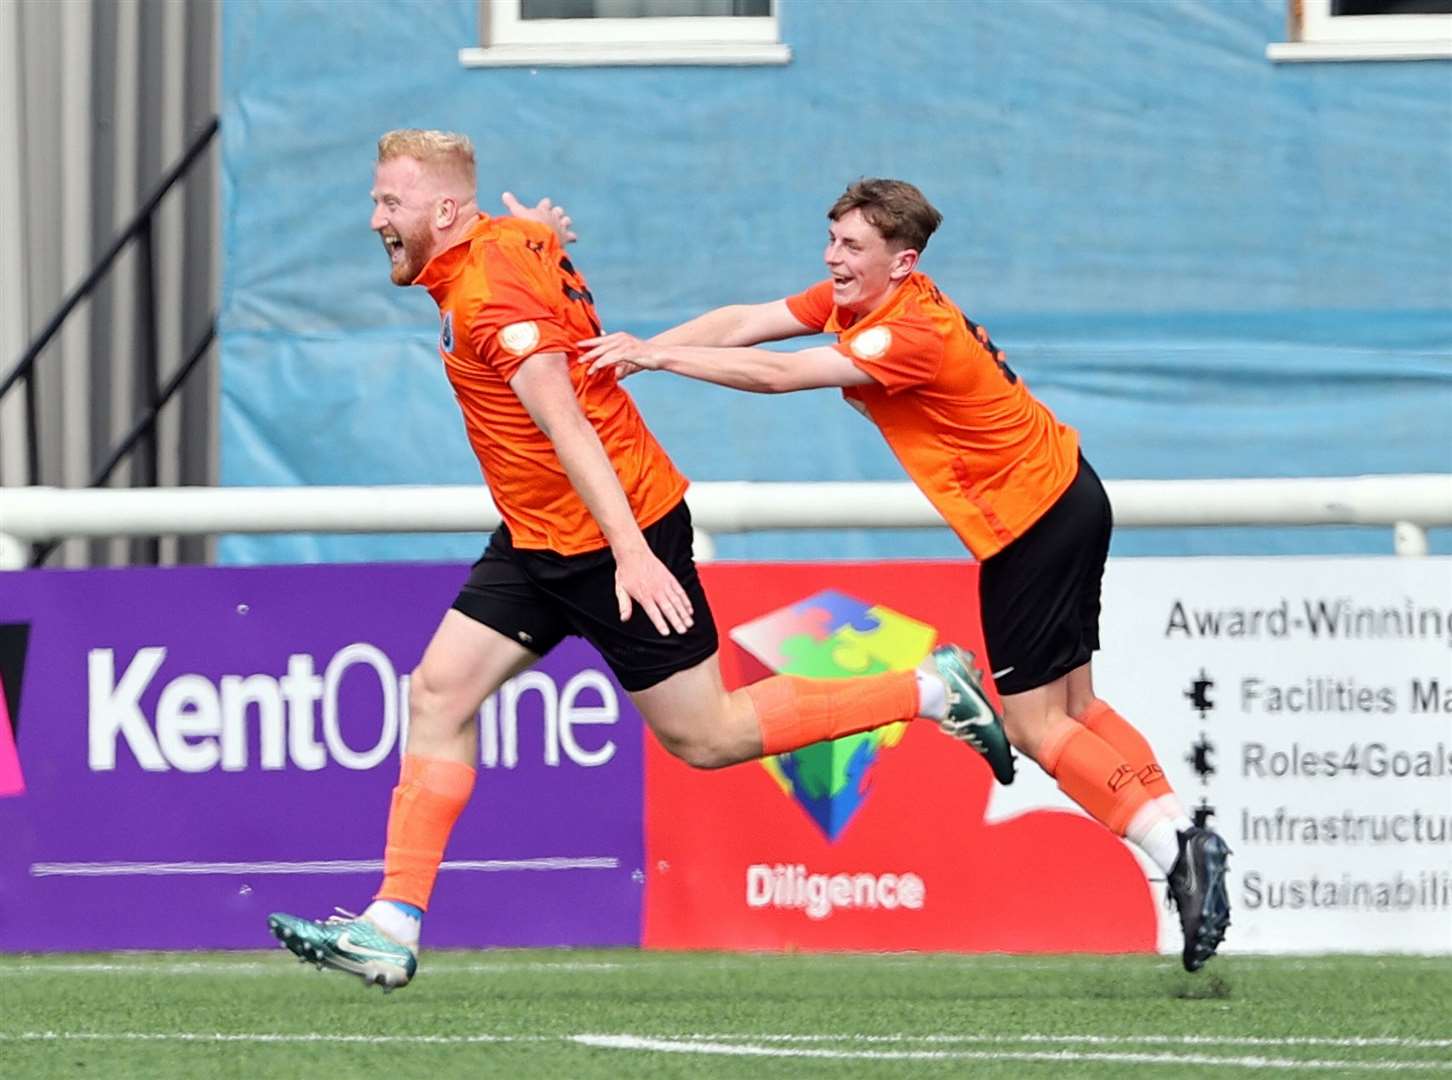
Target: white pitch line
[[658, 963], [262, 1037], [1348, 1041], [184, 968], [259, 967], [749, 960], [671, 1046], [693, 1045]]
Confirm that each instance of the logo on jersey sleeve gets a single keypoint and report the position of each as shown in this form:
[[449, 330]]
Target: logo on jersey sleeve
[[871, 343], [446, 333], [520, 338]]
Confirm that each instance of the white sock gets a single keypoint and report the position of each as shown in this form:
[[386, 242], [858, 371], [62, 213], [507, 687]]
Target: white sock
[[395, 922], [932, 692], [1175, 811], [1154, 832]]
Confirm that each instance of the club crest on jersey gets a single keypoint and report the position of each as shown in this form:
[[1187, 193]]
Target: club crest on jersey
[[519, 338], [871, 343], [446, 333]]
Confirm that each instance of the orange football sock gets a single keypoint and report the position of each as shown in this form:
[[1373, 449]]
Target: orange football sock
[[1119, 733], [1094, 774], [430, 794], [793, 711]]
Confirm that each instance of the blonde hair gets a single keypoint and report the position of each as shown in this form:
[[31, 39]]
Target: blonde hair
[[447, 151]]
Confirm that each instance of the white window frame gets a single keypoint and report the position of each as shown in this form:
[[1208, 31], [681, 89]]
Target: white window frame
[[510, 41], [1316, 34]]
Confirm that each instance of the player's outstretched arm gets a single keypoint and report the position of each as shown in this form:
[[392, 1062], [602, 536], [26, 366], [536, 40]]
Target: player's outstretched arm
[[761, 371], [545, 212], [737, 324], [543, 386]]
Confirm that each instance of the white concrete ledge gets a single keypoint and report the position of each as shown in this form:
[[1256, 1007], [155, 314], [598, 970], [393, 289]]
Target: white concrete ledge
[[627, 54], [1300, 52]]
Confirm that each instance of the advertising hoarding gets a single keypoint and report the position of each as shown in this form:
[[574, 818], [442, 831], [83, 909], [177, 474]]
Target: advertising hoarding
[[885, 843], [1301, 706], [185, 750], [1307, 702], [198, 747]]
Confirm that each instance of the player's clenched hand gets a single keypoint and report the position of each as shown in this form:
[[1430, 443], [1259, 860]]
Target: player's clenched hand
[[625, 352], [642, 577], [545, 212]]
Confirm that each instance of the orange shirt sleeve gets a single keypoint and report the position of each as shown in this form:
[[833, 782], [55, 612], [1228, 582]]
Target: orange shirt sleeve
[[898, 354], [514, 321], [814, 306]]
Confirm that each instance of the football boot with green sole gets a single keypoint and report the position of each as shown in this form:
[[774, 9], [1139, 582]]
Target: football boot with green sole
[[971, 716], [345, 942]]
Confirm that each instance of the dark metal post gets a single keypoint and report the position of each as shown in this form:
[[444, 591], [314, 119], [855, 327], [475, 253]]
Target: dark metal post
[[149, 374], [32, 431], [32, 449]]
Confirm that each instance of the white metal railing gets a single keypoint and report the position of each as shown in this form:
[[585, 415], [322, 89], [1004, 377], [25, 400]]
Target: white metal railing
[[1407, 504]]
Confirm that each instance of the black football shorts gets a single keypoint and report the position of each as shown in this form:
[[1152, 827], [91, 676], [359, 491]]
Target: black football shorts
[[1040, 595], [538, 597]]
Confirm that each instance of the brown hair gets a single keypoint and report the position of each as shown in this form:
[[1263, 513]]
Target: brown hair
[[894, 208], [445, 150]]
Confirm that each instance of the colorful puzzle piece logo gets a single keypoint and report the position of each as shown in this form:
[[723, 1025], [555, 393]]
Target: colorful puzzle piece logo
[[832, 636]]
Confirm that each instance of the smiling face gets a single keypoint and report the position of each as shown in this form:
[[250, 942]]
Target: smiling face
[[865, 268], [405, 205]]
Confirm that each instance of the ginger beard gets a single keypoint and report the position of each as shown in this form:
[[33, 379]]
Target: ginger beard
[[408, 251]]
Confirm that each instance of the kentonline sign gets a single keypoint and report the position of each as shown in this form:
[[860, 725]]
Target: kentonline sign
[[199, 724], [276, 699]]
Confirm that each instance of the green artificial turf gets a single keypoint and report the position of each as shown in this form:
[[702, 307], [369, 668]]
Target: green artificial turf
[[579, 1014]]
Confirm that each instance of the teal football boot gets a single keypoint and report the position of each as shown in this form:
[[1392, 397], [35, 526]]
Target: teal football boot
[[971, 716], [345, 942]]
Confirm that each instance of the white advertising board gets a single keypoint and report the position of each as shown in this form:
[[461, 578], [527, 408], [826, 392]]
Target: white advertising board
[[1306, 704]]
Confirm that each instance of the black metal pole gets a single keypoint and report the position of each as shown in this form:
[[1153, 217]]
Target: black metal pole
[[32, 451], [32, 431], [148, 372]]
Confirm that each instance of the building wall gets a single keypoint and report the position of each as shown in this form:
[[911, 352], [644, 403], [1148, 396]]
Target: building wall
[[98, 98], [1210, 264]]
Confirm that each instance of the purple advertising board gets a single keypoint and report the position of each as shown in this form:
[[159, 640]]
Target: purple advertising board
[[183, 751]]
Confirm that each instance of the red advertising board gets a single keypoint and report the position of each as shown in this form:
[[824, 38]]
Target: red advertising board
[[876, 841]]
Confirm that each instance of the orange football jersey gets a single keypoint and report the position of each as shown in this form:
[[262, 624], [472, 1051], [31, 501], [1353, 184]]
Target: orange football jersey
[[506, 292], [988, 454]]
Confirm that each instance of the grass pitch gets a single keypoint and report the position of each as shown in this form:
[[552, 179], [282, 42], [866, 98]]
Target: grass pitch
[[578, 1014]]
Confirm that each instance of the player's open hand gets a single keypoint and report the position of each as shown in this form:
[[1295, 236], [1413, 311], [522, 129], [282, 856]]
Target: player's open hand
[[644, 579], [626, 353], [545, 212]]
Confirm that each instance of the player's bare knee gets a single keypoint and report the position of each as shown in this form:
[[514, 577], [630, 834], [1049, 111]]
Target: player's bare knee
[[430, 707], [707, 755], [699, 750], [1013, 728], [1023, 735]]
